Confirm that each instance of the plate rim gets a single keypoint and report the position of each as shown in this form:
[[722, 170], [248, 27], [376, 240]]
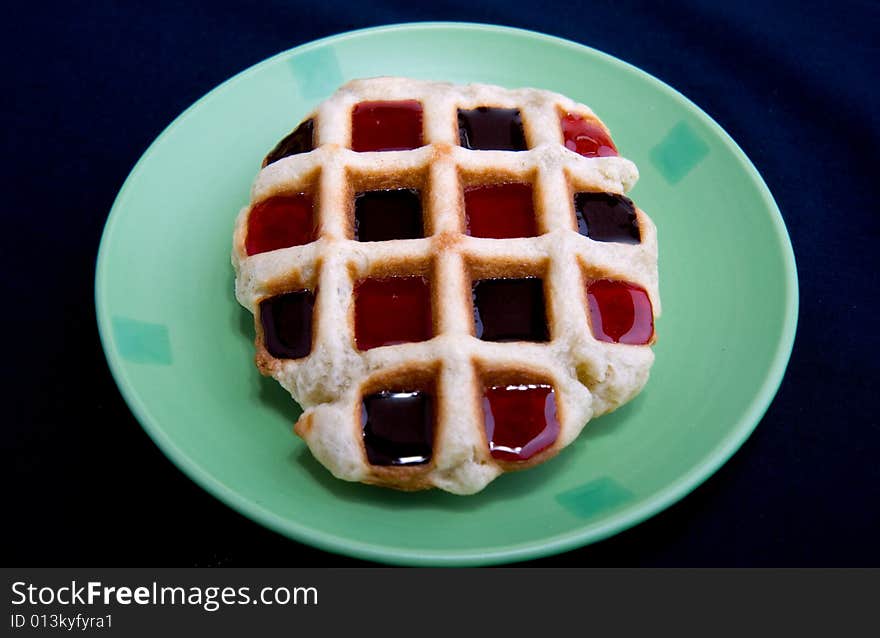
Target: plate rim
[[578, 537]]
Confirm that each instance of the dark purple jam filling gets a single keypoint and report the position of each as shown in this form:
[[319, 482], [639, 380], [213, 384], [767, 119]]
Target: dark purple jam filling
[[607, 217], [388, 214], [287, 324], [398, 427], [491, 129], [301, 140], [510, 310]]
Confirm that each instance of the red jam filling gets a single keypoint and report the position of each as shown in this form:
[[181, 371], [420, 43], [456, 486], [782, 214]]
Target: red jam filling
[[520, 420], [500, 211], [391, 311], [586, 137], [280, 222], [386, 126], [620, 312]]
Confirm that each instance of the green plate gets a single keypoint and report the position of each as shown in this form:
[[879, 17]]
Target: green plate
[[181, 349]]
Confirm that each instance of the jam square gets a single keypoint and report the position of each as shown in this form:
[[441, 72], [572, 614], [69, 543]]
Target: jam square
[[520, 420], [388, 214], [607, 217], [620, 312], [287, 324], [398, 427], [586, 137], [500, 211], [510, 310], [301, 140], [280, 222], [491, 129], [391, 311], [386, 126]]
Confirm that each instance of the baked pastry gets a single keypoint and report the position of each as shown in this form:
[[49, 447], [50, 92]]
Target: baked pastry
[[448, 279]]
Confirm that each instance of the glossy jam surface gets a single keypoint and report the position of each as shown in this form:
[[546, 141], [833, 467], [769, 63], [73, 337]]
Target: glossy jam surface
[[491, 129], [510, 310], [620, 312], [586, 137], [386, 126], [520, 420], [301, 140], [287, 324], [388, 214], [500, 211], [280, 222], [391, 311], [398, 427], [607, 217]]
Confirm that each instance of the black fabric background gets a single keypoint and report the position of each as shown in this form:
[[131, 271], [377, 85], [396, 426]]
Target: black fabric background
[[88, 86]]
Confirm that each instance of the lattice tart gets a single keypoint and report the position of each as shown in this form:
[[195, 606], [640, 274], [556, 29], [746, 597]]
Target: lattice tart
[[448, 279]]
